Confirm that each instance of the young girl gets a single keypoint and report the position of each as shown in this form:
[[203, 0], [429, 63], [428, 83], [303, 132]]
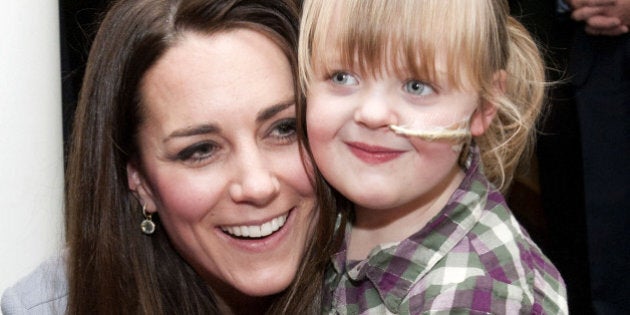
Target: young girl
[[418, 113]]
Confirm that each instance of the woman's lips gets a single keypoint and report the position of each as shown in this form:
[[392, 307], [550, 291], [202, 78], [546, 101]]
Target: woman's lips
[[373, 154], [267, 241], [256, 231]]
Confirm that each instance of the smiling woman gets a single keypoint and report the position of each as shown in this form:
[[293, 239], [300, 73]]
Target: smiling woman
[[219, 120], [186, 191]]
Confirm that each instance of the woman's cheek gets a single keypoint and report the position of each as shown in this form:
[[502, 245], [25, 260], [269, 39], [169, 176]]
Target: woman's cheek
[[290, 167], [189, 200]]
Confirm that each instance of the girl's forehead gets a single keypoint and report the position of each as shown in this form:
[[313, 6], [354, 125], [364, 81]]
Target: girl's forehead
[[421, 39], [389, 61], [395, 59]]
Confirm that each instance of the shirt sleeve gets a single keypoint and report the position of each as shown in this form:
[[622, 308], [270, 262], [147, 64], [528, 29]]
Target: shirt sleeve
[[562, 7]]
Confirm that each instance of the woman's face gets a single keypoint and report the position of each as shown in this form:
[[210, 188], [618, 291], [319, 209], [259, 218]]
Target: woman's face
[[220, 162]]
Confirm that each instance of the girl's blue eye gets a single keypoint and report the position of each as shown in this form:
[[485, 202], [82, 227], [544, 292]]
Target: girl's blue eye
[[343, 78], [416, 87]]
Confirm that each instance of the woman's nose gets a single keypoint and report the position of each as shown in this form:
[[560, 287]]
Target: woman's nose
[[375, 111], [255, 183]]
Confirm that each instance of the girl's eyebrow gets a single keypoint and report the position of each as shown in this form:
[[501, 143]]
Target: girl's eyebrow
[[269, 112]]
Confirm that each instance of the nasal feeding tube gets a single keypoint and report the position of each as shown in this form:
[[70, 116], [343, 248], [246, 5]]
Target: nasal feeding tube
[[457, 132]]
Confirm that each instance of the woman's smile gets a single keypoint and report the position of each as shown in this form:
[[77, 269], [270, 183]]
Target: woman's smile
[[256, 231]]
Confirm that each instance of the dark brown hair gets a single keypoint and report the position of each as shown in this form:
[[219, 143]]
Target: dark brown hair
[[112, 266]]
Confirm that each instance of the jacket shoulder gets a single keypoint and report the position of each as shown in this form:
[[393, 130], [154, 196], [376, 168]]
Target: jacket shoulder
[[43, 291]]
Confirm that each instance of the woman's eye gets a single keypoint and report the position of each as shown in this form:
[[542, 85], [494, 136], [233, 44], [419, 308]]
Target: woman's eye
[[285, 130], [197, 152], [343, 78], [416, 87]]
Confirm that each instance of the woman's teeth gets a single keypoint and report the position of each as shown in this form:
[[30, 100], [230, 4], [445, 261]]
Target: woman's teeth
[[256, 231]]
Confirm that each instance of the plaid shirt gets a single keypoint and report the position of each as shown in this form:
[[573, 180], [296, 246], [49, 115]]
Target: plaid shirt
[[472, 258]]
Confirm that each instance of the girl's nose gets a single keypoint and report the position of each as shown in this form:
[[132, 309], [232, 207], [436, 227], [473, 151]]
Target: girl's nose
[[375, 111], [254, 183]]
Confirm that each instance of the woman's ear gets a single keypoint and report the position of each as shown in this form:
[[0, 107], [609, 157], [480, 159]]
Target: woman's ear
[[140, 188], [483, 115]]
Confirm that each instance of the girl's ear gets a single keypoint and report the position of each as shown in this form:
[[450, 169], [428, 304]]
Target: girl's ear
[[140, 188], [483, 115]]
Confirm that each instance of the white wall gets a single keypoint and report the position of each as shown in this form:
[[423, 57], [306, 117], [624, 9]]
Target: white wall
[[31, 167]]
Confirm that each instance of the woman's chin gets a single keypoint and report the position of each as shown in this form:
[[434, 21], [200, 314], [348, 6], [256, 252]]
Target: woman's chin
[[265, 286]]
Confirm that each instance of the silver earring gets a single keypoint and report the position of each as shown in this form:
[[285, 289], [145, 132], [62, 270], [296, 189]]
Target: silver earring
[[147, 225]]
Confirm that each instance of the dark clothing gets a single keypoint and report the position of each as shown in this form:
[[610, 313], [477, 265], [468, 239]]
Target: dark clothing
[[582, 153], [601, 76]]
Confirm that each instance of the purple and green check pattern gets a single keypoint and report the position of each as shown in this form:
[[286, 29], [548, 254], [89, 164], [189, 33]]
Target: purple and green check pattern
[[473, 258]]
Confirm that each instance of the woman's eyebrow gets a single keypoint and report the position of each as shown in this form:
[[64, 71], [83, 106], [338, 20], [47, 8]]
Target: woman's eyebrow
[[212, 128], [269, 112], [193, 131]]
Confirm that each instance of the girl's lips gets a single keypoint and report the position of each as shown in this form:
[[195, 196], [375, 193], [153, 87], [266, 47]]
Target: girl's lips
[[373, 154]]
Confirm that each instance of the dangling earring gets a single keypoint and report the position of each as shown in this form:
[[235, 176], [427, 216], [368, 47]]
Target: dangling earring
[[147, 225]]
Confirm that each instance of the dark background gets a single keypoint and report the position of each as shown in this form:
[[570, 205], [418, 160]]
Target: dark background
[[78, 24]]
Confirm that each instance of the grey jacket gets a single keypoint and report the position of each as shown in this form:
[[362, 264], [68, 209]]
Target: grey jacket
[[44, 291]]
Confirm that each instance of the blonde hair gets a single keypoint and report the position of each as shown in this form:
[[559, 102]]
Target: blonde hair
[[476, 38]]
